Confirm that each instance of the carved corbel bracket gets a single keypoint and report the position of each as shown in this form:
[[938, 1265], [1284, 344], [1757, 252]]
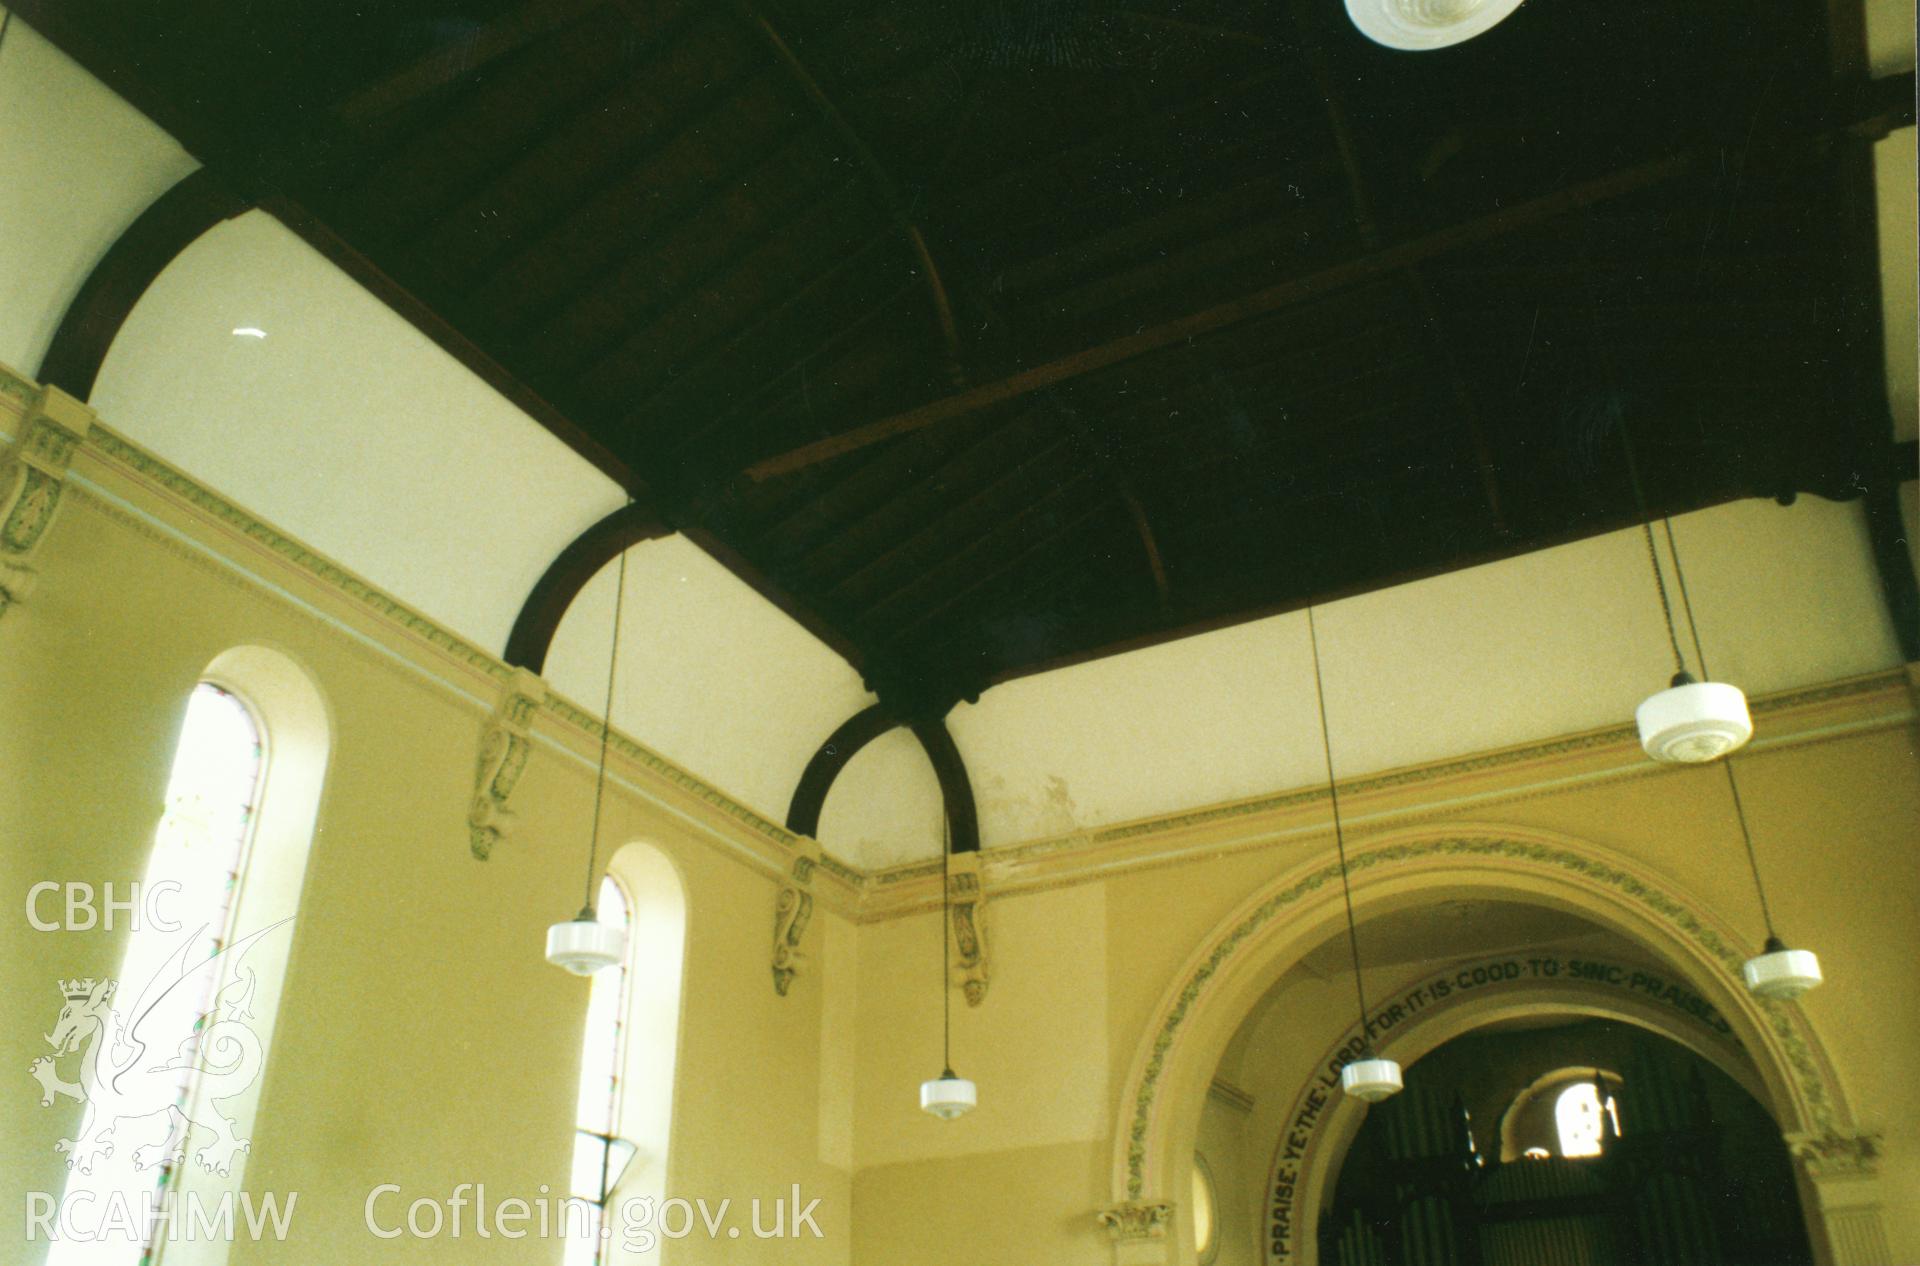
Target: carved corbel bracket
[[504, 747], [33, 476], [792, 911], [967, 925], [1835, 1155]]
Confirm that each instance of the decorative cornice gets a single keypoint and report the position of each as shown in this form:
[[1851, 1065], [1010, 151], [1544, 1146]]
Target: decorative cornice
[[1049, 861], [646, 758]]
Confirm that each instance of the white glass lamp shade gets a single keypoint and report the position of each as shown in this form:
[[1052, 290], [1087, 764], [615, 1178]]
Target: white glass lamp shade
[[1419, 25], [1781, 973], [1694, 722], [948, 1096], [1371, 1079], [583, 945]]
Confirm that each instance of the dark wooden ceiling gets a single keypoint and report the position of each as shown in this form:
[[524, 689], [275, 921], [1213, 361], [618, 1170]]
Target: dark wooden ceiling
[[991, 336]]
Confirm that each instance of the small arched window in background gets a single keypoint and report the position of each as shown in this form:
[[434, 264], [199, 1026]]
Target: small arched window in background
[[599, 1154], [1581, 1119]]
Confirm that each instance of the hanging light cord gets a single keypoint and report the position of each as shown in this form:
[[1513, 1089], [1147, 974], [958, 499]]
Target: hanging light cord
[[1666, 608], [606, 735], [1653, 557], [1339, 840], [946, 946], [1686, 601], [1733, 785]]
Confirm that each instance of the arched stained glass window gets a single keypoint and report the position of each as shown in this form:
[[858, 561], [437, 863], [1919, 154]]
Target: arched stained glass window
[[599, 1153], [192, 879]]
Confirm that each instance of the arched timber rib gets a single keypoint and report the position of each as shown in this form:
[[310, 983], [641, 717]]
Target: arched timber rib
[[860, 729], [956, 789], [93, 320], [810, 796], [567, 575]]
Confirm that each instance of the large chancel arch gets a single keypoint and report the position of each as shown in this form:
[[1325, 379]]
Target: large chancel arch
[[1160, 1105]]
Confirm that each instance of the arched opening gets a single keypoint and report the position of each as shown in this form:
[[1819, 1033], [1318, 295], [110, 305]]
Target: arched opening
[[1459, 930], [1686, 1167], [172, 1051]]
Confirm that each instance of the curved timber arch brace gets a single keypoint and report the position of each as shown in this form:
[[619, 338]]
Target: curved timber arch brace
[[956, 789], [93, 320], [961, 870], [834, 755], [846, 742], [568, 574]]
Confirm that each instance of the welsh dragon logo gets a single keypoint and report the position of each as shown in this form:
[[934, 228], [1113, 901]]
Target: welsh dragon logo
[[138, 1063]]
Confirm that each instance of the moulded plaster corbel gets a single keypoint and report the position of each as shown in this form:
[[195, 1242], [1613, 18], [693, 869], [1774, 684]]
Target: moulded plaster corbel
[[792, 911], [504, 746], [33, 477], [967, 925]]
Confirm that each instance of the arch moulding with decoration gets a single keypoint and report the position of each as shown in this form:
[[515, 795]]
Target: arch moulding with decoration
[[1159, 1109]]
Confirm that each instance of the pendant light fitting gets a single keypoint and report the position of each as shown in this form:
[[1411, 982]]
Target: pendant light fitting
[[584, 945], [1777, 972], [1690, 722], [1372, 1078], [946, 1096]]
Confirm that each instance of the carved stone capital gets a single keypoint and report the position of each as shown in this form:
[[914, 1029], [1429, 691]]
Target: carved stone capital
[[505, 744], [1137, 1220], [33, 476], [967, 926], [1835, 1155], [792, 911]]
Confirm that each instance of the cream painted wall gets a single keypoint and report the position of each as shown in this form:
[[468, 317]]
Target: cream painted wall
[[1834, 827], [58, 216], [421, 1039], [1054, 983]]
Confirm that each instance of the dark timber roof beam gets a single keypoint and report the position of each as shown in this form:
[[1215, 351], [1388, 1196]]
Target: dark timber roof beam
[[1862, 111], [883, 185]]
